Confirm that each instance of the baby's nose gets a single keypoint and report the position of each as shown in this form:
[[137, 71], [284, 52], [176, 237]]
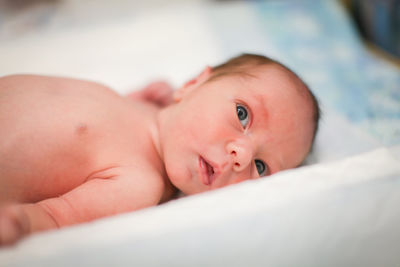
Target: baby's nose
[[241, 154]]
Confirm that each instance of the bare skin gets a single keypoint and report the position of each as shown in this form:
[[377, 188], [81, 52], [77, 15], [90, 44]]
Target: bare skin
[[59, 149], [73, 151]]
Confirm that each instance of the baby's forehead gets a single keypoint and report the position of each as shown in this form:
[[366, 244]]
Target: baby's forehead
[[261, 79], [270, 77], [276, 72], [276, 87]]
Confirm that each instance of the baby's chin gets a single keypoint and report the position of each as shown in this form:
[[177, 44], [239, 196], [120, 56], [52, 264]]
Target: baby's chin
[[190, 189]]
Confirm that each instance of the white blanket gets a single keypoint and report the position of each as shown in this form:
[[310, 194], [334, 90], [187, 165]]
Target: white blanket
[[343, 213]]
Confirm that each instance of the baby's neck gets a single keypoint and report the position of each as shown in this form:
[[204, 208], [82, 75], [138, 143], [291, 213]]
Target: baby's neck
[[157, 132]]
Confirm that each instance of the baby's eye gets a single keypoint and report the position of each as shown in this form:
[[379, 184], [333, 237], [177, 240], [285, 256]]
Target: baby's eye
[[261, 167], [242, 115]]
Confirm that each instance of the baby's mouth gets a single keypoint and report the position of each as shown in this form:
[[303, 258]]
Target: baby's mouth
[[206, 171]]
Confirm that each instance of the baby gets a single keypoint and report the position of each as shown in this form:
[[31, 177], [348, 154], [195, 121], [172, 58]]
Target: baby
[[73, 151]]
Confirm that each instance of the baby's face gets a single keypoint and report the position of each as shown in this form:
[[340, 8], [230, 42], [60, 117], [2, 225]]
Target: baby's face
[[236, 128]]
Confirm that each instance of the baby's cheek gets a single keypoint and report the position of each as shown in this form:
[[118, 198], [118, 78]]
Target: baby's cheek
[[217, 130], [176, 164]]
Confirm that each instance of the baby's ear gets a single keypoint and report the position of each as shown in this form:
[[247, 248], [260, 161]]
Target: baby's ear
[[192, 84]]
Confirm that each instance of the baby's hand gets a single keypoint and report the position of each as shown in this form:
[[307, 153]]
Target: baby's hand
[[159, 93], [14, 224]]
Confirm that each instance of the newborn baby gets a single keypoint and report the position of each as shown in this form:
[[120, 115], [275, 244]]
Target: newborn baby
[[73, 151]]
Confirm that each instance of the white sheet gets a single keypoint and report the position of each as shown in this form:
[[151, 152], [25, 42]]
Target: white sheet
[[343, 213]]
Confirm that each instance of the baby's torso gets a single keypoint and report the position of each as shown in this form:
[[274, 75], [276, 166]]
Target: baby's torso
[[57, 133]]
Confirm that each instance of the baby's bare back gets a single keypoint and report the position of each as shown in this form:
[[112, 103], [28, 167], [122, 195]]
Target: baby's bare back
[[57, 133]]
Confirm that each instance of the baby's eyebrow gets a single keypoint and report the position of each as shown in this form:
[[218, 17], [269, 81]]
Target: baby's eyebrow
[[262, 105], [276, 164]]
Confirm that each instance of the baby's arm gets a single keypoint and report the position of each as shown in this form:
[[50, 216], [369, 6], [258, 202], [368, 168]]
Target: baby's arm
[[114, 191], [159, 93]]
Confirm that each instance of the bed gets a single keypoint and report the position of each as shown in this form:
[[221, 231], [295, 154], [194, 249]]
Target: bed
[[340, 208]]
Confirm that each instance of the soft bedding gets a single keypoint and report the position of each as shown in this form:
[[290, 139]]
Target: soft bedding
[[342, 210], [342, 213]]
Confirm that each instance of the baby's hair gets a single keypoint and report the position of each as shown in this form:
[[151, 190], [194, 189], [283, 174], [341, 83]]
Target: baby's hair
[[242, 65]]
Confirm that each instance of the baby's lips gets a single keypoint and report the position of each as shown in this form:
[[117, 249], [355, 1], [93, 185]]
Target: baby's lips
[[204, 171], [216, 170]]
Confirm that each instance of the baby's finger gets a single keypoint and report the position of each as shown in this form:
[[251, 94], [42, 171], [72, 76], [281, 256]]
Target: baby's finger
[[11, 226], [9, 234]]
